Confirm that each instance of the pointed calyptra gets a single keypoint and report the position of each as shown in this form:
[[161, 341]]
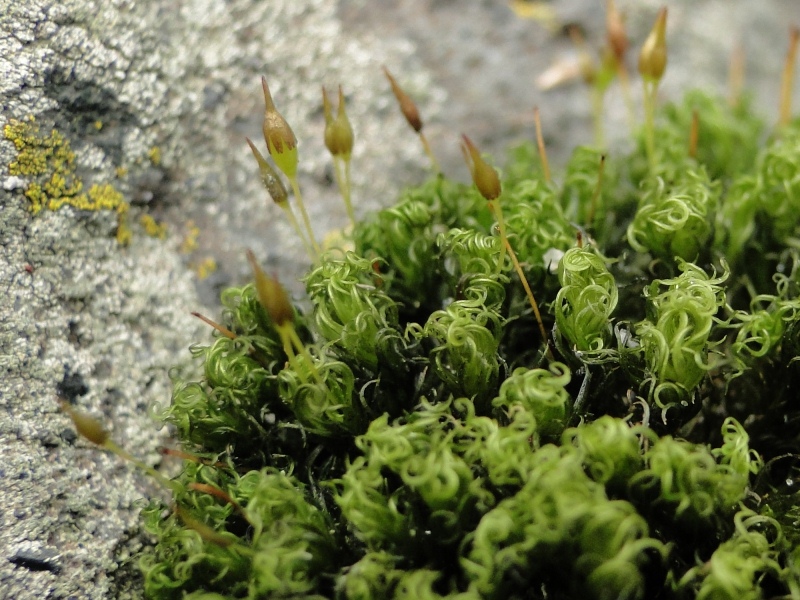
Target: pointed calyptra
[[271, 294], [615, 32], [269, 177], [338, 131], [281, 141], [86, 425], [407, 105], [653, 57], [483, 174]]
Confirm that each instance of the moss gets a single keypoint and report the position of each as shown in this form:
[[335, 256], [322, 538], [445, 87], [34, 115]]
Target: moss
[[429, 445]]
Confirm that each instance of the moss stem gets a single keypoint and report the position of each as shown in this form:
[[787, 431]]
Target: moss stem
[[223, 330], [296, 190], [494, 207], [429, 152], [341, 171], [287, 210], [650, 90], [125, 455], [598, 188], [787, 79], [540, 144]]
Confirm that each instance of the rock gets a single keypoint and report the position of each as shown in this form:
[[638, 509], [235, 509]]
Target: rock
[[37, 559]]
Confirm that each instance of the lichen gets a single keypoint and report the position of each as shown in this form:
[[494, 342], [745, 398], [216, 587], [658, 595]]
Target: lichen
[[47, 161], [204, 268], [154, 155], [153, 228], [189, 242]]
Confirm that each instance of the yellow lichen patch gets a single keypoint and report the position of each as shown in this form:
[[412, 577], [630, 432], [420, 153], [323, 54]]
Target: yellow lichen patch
[[124, 233], [120, 172], [49, 163], [35, 153], [536, 11], [202, 267], [205, 267], [154, 154], [98, 124], [189, 243], [153, 228]]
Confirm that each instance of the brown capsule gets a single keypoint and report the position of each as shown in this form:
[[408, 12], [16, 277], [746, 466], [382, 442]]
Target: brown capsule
[[281, 141], [338, 131], [87, 426], [407, 105], [615, 32], [271, 294], [653, 57], [483, 174], [269, 177]]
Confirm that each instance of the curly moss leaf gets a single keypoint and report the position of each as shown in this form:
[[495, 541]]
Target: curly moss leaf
[[675, 336], [464, 357], [559, 522], [404, 237], [736, 569], [373, 576], [420, 453], [610, 450], [675, 220], [536, 225], [580, 184], [350, 309], [735, 452], [327, 407], [421, 436], [503, 452], [422, 584], [760, 211], [728, 136], [289, 548], [377, 515], [779, 189], [700, 485], [248, 318], [470, 264], [540, 392], [292, 538], [523, 164], [587, 297]]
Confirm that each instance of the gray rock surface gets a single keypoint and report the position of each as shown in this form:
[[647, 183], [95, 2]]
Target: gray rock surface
[[83, 317], [80, 316]]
